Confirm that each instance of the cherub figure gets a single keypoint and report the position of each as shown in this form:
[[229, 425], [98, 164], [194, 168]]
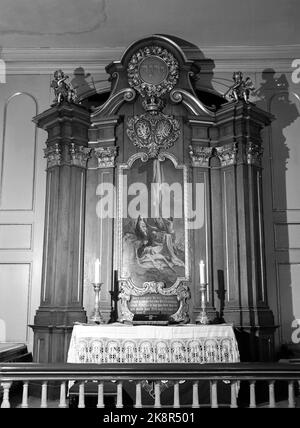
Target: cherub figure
[[241, 89], [62, 90]]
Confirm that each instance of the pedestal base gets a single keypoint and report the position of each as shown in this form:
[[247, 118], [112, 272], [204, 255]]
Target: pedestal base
[[52, 333]]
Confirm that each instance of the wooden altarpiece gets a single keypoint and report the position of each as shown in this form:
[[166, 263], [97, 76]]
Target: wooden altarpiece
[[161, 118]]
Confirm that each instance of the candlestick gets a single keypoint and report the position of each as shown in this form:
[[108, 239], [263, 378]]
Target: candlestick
[[202, 318], [96, 316]]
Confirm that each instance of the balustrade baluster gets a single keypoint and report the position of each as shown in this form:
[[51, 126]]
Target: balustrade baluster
[[44, 395], [176, 396], [119, 404], [5, 402], [81, 401], [252, 395], [195, 404], [233, 387], [138, 395], [214, 394], [291, 394], [24, 404], [157, 395], [271, 394], [100, 404], [62, 400]]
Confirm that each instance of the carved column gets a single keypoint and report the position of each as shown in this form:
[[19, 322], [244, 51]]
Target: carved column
[[246, 304], [62, 278]]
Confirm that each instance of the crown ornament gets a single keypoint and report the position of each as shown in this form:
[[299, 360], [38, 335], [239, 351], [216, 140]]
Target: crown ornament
[[153, 104]]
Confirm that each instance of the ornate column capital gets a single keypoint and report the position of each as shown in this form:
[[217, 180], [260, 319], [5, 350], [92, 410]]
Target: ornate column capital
[[79, 155], [53, 154], [200, 156], [73, 155], [106, 156], [227, 154], [254, 152]]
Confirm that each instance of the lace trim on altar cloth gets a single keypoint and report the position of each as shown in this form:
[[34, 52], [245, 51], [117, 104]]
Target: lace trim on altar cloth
[[105, 350]]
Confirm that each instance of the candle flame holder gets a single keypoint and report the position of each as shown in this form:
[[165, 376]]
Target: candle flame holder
[[202, 318], [96, 316]]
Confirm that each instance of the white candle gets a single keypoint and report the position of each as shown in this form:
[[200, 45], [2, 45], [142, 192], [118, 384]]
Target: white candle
[[202, 272], [97, 271]]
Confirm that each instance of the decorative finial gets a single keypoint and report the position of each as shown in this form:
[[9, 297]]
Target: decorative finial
[[241, 88], [63, 91]]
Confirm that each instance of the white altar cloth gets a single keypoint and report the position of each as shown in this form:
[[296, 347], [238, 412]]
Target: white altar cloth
[[120, 343]]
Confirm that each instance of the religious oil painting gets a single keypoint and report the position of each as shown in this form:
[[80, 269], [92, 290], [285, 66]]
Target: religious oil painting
[[153, 235]]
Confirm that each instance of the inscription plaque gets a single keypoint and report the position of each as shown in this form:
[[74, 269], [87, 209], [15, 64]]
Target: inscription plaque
[[153, 304], [153, 299], [153, 70]]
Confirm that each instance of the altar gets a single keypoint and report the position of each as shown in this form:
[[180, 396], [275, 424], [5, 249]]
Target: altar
[[182, 344], [120, 343]]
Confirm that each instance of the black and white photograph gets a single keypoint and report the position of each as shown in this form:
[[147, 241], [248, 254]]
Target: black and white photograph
[[149, 207]]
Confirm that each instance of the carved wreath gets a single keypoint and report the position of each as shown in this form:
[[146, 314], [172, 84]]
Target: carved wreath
[[147, 89]]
